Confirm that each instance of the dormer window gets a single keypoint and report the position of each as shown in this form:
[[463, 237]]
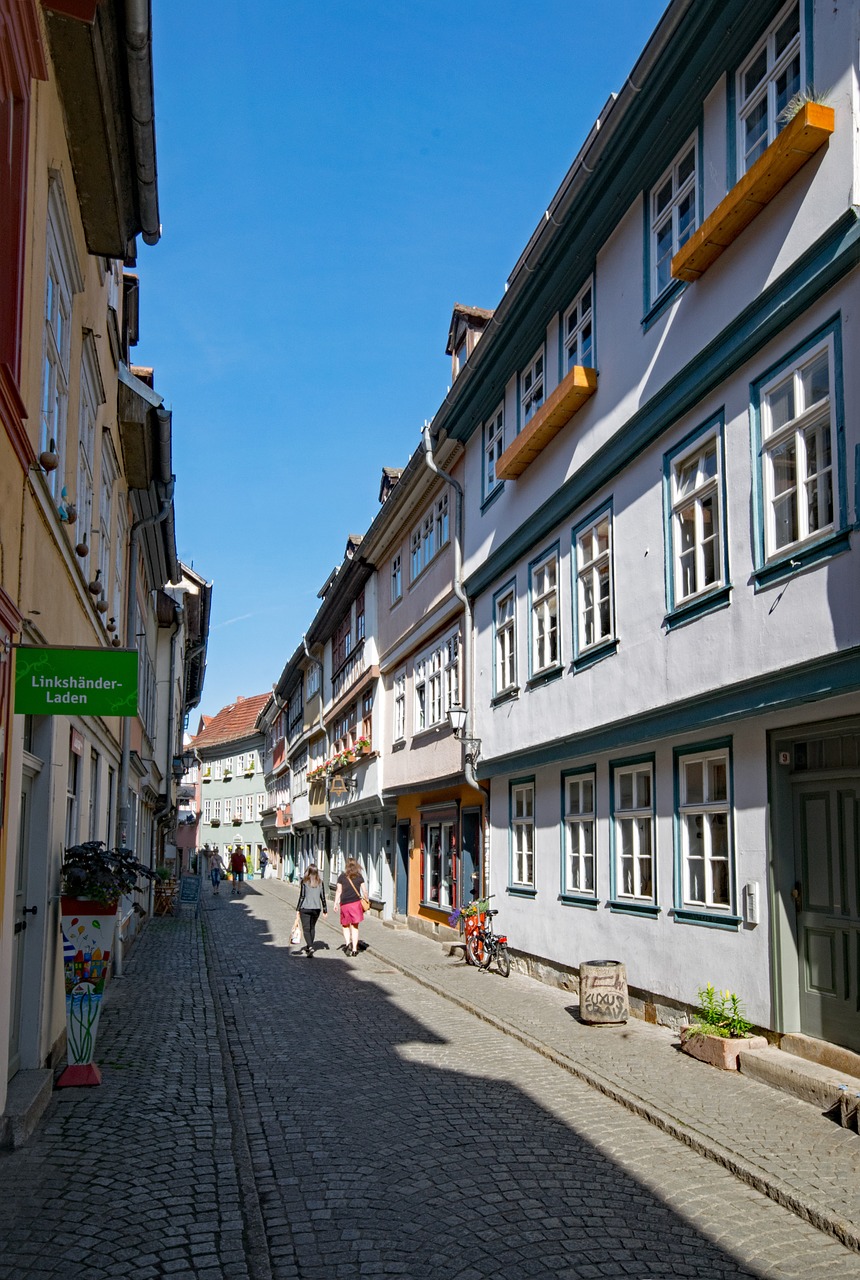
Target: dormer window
[[467, 325]]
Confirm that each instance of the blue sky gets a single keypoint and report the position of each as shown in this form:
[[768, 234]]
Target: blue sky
[[333, 177]]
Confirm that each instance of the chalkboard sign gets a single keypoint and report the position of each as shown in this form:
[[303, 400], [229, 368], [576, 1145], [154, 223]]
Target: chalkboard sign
[[189, 891]]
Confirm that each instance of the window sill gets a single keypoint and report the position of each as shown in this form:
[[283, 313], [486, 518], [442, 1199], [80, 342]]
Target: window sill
[[688, 915], [568, 398], [491, 497], [508, 695], [789, 152], [698, 607], [521, 891], [669, 295], [607, 649], [400, 745], [647, 909], [570, 900], [431, 731], [434, 906], [801, 558], [544, 677]]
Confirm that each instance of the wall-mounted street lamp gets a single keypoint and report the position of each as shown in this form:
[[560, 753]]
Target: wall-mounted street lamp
[[457, 721]]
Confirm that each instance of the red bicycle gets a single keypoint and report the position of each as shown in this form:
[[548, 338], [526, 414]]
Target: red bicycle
[[484, 945]]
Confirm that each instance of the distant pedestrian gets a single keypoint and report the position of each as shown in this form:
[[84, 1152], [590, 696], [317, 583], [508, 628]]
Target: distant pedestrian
[[264, 862], [216, 870], [348, 897], [311, 903], [238, 865]]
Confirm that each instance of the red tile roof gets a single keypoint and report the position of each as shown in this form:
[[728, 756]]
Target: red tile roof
[[232, 722]]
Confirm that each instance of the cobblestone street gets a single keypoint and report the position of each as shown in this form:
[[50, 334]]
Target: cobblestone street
[[266, 1115]]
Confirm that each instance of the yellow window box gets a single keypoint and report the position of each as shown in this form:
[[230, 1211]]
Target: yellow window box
[[798, 142], [569, 396]]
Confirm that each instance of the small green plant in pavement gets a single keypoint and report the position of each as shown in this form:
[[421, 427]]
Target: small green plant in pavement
[[719, 1014]]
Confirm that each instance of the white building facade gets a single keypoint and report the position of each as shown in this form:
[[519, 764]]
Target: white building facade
[[661, 430]]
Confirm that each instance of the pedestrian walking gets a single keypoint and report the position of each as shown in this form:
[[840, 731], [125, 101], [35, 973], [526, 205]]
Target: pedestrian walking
[[216, 870], [264, 862], [311, 903], [350, 898], [238, 865]]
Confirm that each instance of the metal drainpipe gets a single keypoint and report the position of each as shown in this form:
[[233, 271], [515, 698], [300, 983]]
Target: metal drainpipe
[[468, 766], [125, 761]]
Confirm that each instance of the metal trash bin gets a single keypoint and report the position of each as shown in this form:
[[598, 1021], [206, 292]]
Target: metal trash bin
[[603, 996]]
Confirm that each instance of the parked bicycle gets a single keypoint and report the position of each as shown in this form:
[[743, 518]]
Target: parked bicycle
[[484, 945], [470, 917]]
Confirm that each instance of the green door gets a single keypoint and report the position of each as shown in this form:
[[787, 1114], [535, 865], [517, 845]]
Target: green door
[[827, 902]]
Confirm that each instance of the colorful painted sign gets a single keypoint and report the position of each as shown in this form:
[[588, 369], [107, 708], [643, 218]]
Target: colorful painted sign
[[83, 682]]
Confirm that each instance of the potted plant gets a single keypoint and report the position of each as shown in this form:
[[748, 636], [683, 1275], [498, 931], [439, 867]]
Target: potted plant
[[363, 746], [237, 822], [93, 878], [207, 773], [720, 1031], [215, 822]]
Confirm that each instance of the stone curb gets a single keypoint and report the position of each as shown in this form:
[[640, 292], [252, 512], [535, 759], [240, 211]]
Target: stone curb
[[840, 1228]]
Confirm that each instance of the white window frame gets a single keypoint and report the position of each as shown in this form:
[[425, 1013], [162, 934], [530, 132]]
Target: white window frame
[[545, 613], [444, 832], [766, 93], [261, 804], [437, 681], [505, 624], [690, 532], [248, 806], [532, 386], [578, 329], [228, 809], [400, 706], [62, 280], [313, 680], [670, 216], [705, 810], [640, 819], [396, 578], [207, 810], [494, 447], [107, 482], [415, 544], [216, 810], [595, 582], [580, 835], [816, 417], [523, 835], [442, 523]]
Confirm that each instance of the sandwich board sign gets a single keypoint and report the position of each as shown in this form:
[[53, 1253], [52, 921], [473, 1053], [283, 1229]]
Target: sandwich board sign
[[83, 682]]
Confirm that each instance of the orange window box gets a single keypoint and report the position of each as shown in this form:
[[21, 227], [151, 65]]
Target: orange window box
[[569, 396], [798, 142]]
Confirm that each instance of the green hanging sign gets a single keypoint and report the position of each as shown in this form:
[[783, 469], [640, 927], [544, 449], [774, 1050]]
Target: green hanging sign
[[82, 682]]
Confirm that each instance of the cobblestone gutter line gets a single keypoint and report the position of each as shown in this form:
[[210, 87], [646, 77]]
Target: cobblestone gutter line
[[257, 1254], [767, 1183]]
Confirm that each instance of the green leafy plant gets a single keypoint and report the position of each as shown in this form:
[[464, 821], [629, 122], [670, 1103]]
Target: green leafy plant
[[94, 873], [719, 1014]]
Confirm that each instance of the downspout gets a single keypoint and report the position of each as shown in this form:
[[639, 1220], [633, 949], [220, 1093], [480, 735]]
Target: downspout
[[468, 768], [134, 537]]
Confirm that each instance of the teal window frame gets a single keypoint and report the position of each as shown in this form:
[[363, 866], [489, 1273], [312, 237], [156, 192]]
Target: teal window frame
[[507, 691], [488, 494], [522, 890], [818, 547], [718, 595], [684, 912], [654, 305], [608, 645], [632, 905], [589, 281], [574, 897], [554, 669]]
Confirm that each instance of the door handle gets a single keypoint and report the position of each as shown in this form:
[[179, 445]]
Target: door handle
[[797, 896], [31, 911]]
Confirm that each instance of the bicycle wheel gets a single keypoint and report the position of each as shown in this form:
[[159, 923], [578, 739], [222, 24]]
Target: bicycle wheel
[[503, 960], [476, 951]]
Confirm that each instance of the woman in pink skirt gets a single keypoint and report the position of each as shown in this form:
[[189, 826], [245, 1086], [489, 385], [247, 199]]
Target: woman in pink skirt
[[348, 895]]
